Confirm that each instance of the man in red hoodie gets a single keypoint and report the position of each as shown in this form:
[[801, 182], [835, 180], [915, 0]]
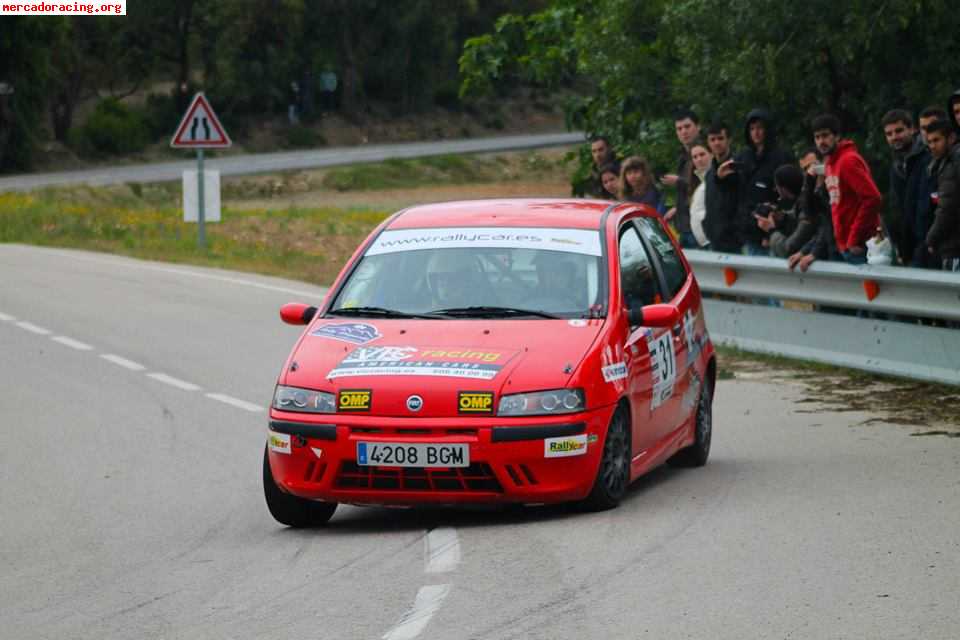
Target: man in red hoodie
[[854, 198]]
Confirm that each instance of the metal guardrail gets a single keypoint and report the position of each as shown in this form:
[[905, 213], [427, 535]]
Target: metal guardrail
[[904, 349]]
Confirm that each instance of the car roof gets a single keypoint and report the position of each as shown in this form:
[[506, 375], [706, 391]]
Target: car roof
[[515, 212]]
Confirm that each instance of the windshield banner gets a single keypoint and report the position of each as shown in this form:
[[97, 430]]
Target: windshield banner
[[583, 241]]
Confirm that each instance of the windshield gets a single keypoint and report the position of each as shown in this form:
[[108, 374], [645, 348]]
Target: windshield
[[481, 272]]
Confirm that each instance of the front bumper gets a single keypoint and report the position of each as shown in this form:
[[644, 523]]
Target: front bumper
[[508, 461]]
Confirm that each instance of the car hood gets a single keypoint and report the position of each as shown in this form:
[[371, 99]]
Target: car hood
[[456, 367]]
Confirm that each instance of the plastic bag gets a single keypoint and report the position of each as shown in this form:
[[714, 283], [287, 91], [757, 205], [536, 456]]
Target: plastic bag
[[879, 251]]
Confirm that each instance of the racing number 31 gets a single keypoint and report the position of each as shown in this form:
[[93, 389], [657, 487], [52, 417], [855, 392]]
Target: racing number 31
[[666, 361]]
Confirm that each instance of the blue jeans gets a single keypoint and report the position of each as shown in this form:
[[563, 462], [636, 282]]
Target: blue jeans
[[854, 259]]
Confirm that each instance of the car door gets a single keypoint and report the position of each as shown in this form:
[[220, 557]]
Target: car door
[[677, 286], [647, 351]]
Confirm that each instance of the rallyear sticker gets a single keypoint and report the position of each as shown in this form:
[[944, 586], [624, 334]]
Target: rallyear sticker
[[442, 362], [352, 332], [278, 442], [565, 447], [663, 368], [615, 371]]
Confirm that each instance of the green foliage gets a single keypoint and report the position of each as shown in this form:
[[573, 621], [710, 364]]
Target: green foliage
[[303, 137], [638, 62], [113, 128]]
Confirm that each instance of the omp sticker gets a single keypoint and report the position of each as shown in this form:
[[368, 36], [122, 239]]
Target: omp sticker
[[352, 332], [581, 241], [565, 447], [663, 368], [354, 400], [615, 371], [444, 362], [475, 402], [278, 442]]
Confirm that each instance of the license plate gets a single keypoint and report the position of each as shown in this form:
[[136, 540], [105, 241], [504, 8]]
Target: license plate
[[382, 454]]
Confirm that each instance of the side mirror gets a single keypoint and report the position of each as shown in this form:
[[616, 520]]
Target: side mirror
[[653, 315], [297, 313]]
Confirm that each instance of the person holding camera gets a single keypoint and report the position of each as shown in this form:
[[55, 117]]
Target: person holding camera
[[755, 167], [815, 208]]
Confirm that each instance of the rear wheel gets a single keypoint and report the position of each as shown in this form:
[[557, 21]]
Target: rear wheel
[[696, 454], [613, 475], [291, 510]]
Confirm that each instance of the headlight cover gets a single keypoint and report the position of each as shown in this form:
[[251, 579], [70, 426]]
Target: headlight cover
[[542, 403], [303, 400]]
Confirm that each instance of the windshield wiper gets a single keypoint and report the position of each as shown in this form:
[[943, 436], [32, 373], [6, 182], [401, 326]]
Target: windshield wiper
[[491, 312], [377, 311]]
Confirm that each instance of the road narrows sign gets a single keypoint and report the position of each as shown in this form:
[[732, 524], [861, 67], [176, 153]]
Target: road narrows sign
[[200, 128]]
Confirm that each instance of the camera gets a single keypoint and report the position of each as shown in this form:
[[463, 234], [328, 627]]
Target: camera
[[764, 209]]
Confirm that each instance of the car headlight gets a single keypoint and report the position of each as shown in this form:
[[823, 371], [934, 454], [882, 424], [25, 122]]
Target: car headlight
[[540, 403], [305, 400]]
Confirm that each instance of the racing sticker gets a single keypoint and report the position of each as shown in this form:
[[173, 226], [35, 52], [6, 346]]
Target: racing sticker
[[278, 442], [583, 241], [443, 362], [354, 400], [694, 342], [352, 332], [663, 368], [565, 447], [475, 402], [615, 371]]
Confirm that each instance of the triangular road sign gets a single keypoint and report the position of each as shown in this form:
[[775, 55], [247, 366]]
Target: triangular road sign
[[200, 128]]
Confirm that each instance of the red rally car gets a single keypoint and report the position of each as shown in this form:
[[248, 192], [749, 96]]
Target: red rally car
[[528, 351]]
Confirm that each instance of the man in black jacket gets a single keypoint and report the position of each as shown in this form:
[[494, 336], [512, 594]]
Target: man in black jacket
[[755, 166], [910, 187], [720, 193], [944, 235]]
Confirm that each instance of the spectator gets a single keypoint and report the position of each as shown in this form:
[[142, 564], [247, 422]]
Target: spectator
[[815, 203], [788, 224], [910, 188], [755, 166], [687, 126], [927, 117], [610, 180], [328, 90], [854, 199], [700, 158], [637, 184], [953, 110], [602, 154], [944, 235], [720, 193]]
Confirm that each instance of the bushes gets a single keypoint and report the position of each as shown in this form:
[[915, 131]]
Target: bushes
[[112, 128]]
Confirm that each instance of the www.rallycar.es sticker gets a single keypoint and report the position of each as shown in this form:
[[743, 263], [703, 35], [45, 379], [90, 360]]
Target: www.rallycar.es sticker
[[443, 362], [278, 442], [565, 447], [352, 332]]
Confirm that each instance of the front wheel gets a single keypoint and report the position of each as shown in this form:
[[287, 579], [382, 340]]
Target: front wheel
[[696, 454], [613, 475], [291, 510]]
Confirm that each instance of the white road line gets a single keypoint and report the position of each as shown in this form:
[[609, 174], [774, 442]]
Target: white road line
[[174, 382], [442, 550], [414, 621], [70, 342], [123, 362], [32, 328], [241, 404], [6, 318]]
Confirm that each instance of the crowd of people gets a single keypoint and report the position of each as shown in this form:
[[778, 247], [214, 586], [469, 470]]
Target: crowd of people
[[824, 205]]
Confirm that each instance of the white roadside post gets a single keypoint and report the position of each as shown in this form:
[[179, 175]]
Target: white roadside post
[[200, 129]]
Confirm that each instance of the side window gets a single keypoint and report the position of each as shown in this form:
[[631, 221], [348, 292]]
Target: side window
[[637, 279], [673, 270]]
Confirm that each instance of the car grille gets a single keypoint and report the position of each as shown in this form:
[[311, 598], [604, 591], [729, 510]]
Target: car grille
[[408, 431], [477, 478]]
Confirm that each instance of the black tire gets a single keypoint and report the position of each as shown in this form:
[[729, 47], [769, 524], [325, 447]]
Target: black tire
[[696, 454], [291, 510], [613, 474]]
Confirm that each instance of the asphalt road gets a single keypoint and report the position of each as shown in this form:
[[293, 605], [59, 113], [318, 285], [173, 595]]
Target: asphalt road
[[288, 160], [131, 405]]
